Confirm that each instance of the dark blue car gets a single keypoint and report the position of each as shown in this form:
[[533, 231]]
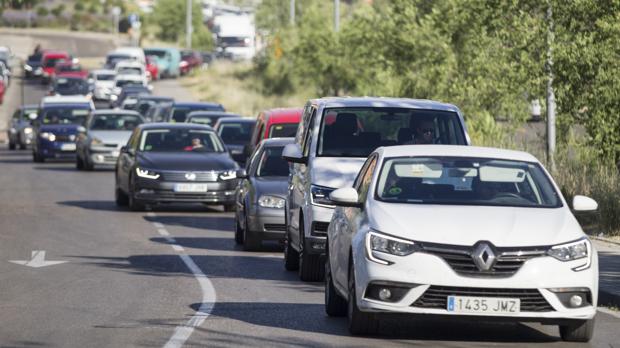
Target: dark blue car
[[179, 110], [56, 129]]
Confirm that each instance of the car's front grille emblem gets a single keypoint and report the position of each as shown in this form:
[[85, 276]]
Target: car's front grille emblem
[[484, 256], [190, 176]]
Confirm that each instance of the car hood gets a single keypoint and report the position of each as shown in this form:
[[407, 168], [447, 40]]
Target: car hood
[[466, 225], [111, 136], [272, 185], [59, 128], [194, 161], [335, 172], [104, 84]]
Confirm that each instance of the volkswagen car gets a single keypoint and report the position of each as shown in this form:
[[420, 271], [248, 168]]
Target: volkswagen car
[[465, 232], [261, 195], [105, 132], [175, 163], [20, 129], [236, 133]]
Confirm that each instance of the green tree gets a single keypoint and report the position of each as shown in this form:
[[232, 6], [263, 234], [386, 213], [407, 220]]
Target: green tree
[[169, 16]]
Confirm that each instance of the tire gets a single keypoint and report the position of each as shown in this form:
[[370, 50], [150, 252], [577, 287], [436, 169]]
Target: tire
[[22, 146], [88, 166], [581, 331], [134, 204], [79, 164], [37, 158], [335, 305], [291, 256], [121, 198], [238, 233], [11, 146], [251, 242], [360, 323], [311, 268]]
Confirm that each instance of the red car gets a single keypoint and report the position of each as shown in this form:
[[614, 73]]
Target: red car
[[2, 89], [48, 63], [152, 68], [70, 69], [274, 123], [189, 60]]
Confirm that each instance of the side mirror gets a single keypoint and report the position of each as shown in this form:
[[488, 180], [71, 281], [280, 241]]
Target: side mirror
[[292, 153], [345, 197], [241, 174], [583, 203], [128, 150], [32, 116], [81, 130]]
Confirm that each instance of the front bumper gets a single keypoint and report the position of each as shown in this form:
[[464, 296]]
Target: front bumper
[[103, 155], [268, 223], [428, 274], [57, 149], [316, 231], [157, 191]]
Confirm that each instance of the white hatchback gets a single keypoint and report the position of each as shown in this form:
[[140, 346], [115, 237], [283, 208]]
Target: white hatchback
[[459, 231]]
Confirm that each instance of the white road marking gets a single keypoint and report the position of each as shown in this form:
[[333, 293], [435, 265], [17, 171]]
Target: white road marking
[[37, 260], [183, 332]]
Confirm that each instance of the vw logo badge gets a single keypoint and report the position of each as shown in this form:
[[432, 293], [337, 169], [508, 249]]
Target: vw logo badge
[[190, 176], [484, 257]]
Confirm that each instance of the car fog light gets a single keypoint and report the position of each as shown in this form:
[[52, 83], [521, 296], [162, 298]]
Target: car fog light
[[385, 294], [147, 191], [318, 245], [576, 301]]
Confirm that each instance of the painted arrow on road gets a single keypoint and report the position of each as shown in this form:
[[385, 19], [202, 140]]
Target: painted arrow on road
[[38, 260]]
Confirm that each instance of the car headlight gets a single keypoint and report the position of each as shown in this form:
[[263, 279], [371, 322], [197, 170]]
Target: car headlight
[[27, 130], [27, 67], [13, 130], [320, 195], [228, 175], [48, 136], [267, 201], [96, 141], [581, 249], [145, 173], [381, 243]]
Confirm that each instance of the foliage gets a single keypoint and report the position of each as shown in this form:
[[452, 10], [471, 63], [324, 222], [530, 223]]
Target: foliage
[[170, 18], [58, 10], [42, 11]]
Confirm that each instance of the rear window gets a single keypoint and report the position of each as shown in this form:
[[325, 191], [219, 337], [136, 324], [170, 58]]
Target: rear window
[[283, 130], [236, 133], [115, 122], [180, 140], [105, 77], [65, 115], [271, 163], [356, 132]]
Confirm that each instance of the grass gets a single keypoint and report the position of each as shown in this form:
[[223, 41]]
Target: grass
[[235, 86]]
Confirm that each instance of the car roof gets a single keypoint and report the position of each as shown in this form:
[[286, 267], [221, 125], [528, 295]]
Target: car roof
[[211, 113], [154, 97], [65, 100], [276, 142], [127, 77], [66, 105], [52, 54], [236, 119], [455, 151], [335, 102], [179, 125], [103, 71], [283, 112], [196, 104], [115, 112]]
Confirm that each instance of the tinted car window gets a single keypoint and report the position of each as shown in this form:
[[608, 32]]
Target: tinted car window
[[115, 122], [465, 181], [207, 120], [356, 132], [180, 140], [51, 62], [235, 133], [283, 130], [105, 77], [271, 163], [70, 86], [64, 115]]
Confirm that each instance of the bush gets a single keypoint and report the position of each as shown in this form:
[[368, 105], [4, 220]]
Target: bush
[[58, 10], [42, 11]]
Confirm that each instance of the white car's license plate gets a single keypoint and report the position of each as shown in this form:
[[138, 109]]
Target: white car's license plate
[[190, 188], [483, 305], [67, 147]]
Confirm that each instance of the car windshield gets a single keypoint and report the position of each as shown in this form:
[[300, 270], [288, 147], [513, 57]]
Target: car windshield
[[115, 122], [105, 77], [156, 53], [465, 181], [123, 83], [179, 114], [65, 115], [71, 86], [283, 130], [70, 68], [51, 62], [112, 60], [236, 133], [130, 71], [180, 140], [356, 132], [271, 163]]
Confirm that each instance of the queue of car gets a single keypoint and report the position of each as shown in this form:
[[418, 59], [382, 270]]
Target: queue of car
[[382, 199]]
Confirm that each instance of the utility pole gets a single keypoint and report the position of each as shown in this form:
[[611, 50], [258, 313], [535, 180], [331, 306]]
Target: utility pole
[[550, 92], [336, 15], [188, 25], [292, 12]]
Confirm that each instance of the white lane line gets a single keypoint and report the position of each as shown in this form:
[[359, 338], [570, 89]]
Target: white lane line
[[183, 332]]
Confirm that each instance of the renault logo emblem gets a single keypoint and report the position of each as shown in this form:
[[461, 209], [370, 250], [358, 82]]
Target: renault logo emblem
[[484, 256], [190, 176]]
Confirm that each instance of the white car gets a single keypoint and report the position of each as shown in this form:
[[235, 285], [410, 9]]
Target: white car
[[103, 82], [128, 67], [121, 81], [459, 231]]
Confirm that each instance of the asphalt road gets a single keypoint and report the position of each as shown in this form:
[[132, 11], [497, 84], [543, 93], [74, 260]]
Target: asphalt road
[[137, 279]]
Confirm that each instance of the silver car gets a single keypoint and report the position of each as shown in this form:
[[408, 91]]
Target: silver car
[[261, 195], [20, 128], [105, 132]]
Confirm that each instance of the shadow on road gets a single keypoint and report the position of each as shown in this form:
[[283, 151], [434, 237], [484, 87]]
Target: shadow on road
[[94, 205], [219, 222], [216, 243], [314, 320]]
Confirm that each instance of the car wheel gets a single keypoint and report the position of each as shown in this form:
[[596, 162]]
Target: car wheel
[[360, 323], [88, 165], [251, 242], [311, 268], [22, 146], [580, 331], [238, 232], [37, 158], [134, 204], [335, 305], [79, 164], [291, 256], [121, 198]]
